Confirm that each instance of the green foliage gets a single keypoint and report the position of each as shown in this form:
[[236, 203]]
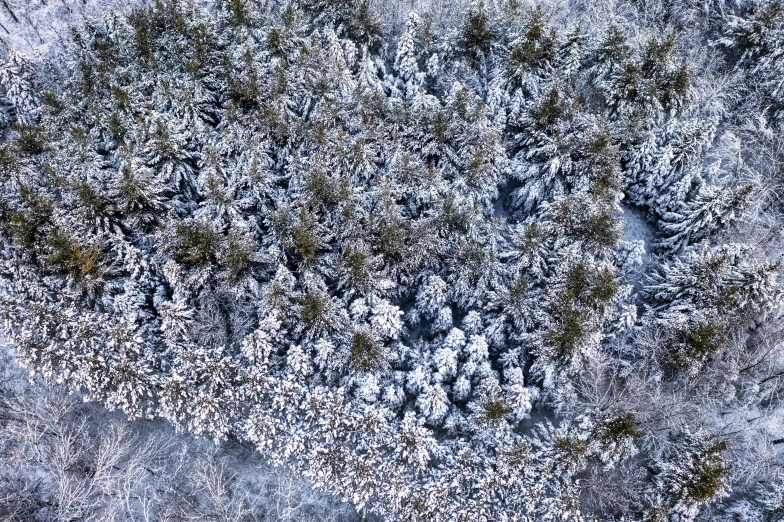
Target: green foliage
[[477, 32], [305, 241], [314, 310], [237, 257], [551, 109], [26, 225], [695, 470], [698, 341], [568, 331], [600, 229], [327, 190], [9, 159], [133, 192], [619, 428], [116, 127], [365, 352], [570, 449], [658, 79], [355, 18], [474, 259], [494, 410], [587, 285], [602, 158], [366, 27], [67, 256], [195, 243], [244, 85], [52, 100], [577, 282], [710, 476], [534, 237], [518, 294], [163, 146], [30, 139], [238, 11], [585, 293], [454, 216], [149, 24], [614, 48], [171, 33], [537, 46], [390, 240], [604, 285], [589, 220], [358, 274], [95, 204]]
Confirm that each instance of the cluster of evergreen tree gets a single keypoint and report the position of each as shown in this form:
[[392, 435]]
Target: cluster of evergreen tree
[[399, 262]]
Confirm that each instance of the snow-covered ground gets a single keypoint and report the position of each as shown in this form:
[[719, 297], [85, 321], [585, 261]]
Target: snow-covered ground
[[38, 27], [638, 229], [37, 420]]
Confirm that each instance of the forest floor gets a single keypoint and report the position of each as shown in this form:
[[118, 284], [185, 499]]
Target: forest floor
[[278, 494]]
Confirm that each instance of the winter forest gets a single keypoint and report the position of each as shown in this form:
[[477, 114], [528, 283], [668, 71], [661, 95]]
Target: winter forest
[[391, 260]]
